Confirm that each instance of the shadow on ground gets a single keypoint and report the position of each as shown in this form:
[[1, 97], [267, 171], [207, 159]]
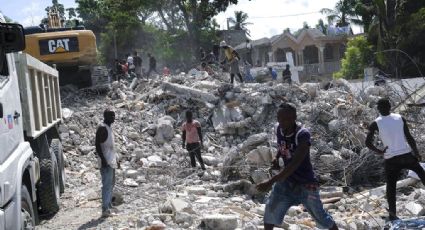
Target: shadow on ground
[[92, 223]]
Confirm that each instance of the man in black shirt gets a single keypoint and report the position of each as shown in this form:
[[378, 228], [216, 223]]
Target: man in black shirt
[[286, 74], [152, 65], [138, 63]]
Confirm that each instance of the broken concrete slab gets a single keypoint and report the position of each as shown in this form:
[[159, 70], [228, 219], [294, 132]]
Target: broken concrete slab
[[415, 208], [187, 92], [179, 205], [220, 222], [254, 141]]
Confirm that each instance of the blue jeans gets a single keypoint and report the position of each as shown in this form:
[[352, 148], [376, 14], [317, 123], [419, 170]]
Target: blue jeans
[[286, 194], [248, 77], [108, 180]]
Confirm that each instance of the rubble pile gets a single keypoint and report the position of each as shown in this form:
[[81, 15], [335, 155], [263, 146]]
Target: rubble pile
[[239, 123]]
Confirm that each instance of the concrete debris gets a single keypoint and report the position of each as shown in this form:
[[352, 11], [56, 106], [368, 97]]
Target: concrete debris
[[164, 129], [130, 182], [220, 222], [254, 141], [189, 93], [161, 191], [179, 205], [415, 208]]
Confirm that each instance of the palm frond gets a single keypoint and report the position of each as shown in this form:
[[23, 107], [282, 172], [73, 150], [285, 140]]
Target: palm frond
[[327, 11]]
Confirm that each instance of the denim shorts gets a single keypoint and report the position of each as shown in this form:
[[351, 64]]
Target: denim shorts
[[286, 194]]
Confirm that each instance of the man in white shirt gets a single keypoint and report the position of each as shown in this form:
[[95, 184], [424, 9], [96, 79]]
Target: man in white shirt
[[108, 160], [400, 150], [130, 63]]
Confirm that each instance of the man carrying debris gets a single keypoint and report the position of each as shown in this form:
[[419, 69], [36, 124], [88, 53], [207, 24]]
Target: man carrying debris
[[152, 65], [286, 74], [296, 183], [400, 151], [232, 58], [192, 139], [107, 160]]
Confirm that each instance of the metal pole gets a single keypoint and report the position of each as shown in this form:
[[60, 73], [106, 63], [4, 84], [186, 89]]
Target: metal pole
[[228, 23], [115, 45]]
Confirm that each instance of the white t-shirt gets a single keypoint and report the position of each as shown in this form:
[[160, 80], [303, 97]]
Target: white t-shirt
[[130, 62], [108, 148], [391, 133]]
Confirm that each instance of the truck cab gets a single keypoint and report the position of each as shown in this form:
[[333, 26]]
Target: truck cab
[[31, 159]]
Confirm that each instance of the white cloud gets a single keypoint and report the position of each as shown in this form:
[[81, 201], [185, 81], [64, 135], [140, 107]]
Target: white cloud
[[32, 14], [265, 16], [32, 20]]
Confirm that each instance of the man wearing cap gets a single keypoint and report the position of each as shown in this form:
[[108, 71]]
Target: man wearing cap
[[232, 58]]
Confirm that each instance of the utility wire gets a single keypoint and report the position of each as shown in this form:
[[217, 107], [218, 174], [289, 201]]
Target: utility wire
[[286, 15]]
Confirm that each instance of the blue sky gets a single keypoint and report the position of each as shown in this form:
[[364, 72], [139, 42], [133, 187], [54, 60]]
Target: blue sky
[[262, 13], [29, 12]]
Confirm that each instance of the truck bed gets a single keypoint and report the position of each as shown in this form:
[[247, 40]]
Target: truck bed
[[40, 97]]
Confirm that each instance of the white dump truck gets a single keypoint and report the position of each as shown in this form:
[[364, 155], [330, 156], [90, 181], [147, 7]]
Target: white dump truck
[[31, 160]]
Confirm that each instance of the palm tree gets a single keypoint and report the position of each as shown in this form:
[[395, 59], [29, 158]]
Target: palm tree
[[343, 14], [322, 26], [240, 21]]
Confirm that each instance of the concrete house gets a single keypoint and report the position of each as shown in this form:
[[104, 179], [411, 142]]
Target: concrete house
[[317, 53]]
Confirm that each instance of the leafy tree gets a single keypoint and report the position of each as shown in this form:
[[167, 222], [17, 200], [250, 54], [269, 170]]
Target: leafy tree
[[71, 13], [359, 54], [197, 16], [366, 10], [8, 20], [305, 25], [343, 14], [322, 26], [133, 23], [93, 15], [239, 21], [67, 21]]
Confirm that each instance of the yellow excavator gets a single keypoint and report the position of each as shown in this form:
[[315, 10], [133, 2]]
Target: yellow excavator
[[71, 49]]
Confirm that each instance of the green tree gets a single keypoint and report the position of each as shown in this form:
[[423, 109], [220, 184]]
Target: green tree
[[343, 14], [359, 55], [57, 6], [197, 16], [366, 10], [92, 14], [8, 20], [239, 22], [127, 22], [322, 26]]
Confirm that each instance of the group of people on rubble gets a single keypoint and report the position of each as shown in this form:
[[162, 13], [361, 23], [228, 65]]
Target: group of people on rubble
[[131, 66], [295, 183], [231, 63]]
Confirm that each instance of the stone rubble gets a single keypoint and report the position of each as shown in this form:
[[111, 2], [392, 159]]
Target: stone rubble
[[159, 189]]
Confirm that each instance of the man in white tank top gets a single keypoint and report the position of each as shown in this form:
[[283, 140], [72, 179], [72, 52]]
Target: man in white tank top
[[107, 160], [400, 151]]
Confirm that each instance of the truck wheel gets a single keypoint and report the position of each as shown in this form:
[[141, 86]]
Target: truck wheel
[[56, 146], [27, 211], [49, 188]]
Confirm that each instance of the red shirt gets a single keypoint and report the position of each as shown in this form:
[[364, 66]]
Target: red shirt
[[191, 129]]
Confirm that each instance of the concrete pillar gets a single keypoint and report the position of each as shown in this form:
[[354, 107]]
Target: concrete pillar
[[270, 56], [301, 57], [296, 58], [321, 54]]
